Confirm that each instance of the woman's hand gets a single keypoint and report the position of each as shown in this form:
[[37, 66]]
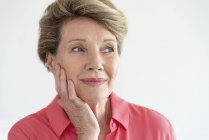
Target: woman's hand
[[77, 110]]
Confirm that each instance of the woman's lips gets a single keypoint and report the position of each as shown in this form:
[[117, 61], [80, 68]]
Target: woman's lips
[[94, 81]]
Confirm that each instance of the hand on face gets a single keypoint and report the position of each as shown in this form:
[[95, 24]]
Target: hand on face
[[77, 110]]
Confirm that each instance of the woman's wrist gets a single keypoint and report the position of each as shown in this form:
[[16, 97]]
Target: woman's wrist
[[88, 137]]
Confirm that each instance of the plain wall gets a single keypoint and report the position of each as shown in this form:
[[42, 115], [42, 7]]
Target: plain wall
[[164, 64]]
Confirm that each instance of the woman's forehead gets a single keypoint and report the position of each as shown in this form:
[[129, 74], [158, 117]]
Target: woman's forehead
[[85, 28]]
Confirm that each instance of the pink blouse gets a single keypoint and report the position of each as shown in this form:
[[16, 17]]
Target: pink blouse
[[129, 122]]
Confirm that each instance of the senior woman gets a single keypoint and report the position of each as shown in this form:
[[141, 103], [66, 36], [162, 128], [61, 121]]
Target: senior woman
[[80, 43]]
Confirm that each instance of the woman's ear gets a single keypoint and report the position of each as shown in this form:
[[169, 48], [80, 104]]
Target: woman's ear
[[50, 62]]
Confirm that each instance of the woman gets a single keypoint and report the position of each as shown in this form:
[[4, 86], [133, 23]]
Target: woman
[[80, 43]]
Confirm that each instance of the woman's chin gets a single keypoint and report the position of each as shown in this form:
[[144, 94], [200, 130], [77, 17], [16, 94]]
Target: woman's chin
[[94, 97]]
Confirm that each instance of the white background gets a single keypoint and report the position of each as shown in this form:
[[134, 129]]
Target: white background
[[164, 65]]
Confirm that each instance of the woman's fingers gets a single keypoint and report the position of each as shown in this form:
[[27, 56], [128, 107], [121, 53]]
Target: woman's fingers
[[78, 103], [63, 85], [56, 73], [65, 88], [71, 89], [77, 110]]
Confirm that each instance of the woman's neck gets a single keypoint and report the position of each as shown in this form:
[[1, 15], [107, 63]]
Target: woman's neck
[[102, 109], [103, 113]]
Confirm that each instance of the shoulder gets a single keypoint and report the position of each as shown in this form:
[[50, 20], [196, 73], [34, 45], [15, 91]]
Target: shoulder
[[27, 127], [147, 115], [137, 114], [144, 112], [152, 121]]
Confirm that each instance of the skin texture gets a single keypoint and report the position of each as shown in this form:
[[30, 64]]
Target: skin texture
[[86, 50]]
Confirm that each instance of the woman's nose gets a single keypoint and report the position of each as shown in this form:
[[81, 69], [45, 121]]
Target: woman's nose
[[94, 62]]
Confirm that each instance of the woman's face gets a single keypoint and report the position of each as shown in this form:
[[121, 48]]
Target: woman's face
[[88, 53]]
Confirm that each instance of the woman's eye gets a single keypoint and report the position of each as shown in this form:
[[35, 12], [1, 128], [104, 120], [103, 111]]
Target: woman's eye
[[77, 49], [108, 50]]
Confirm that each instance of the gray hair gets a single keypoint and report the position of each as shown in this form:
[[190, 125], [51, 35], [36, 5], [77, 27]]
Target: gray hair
[[60, 11]]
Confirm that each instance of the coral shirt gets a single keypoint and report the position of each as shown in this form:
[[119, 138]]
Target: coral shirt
[[129, 122]]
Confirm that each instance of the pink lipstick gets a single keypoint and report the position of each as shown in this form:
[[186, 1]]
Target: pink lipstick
[[94, 81]]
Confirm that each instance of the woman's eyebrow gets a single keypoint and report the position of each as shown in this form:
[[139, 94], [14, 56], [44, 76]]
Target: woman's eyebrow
[[84, 40], [77, 39], [113, 40]]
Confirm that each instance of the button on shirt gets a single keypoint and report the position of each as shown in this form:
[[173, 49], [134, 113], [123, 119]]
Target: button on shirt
[[128, 122]]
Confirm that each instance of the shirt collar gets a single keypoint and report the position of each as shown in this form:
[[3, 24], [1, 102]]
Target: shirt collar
[[60, 121], [57, 117], [120, 110]]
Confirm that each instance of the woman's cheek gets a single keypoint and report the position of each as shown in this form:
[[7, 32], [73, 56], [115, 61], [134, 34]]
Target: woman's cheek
[[115, 67], [69, 74]]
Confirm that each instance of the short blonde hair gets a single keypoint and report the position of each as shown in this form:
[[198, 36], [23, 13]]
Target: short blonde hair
[[60, 11]]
